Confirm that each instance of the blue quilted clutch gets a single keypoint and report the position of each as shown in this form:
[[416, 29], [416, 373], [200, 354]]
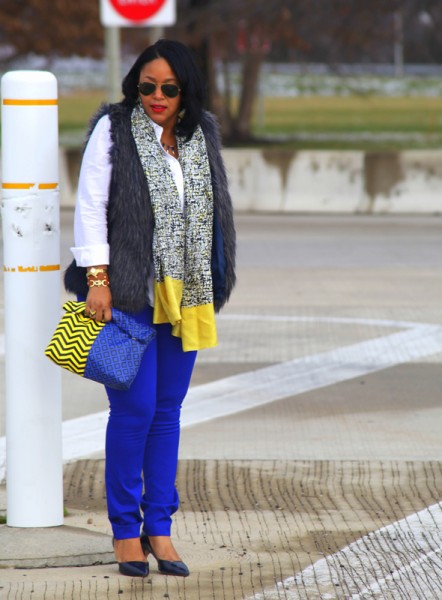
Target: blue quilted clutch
[[108, 353]]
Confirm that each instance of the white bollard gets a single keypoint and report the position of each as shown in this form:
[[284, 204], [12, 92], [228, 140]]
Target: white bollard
[[31, 234]]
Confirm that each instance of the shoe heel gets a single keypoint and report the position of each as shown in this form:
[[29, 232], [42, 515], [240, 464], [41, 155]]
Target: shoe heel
[[166, 567]]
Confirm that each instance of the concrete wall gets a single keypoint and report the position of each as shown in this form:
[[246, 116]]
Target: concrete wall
[[341, 182], [265, 180]]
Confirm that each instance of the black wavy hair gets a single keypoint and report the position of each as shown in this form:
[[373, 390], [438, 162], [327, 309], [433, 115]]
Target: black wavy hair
[[182, 63]]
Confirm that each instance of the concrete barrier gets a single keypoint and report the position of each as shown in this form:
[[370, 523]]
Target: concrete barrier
[[289, 181], [280, 180], [335, 181]]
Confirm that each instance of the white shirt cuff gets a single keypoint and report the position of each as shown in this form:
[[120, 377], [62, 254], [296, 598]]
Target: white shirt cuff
[[89, 256]]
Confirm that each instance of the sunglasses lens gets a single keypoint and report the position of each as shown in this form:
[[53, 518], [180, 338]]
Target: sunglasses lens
[[146, 88], [170, 90]]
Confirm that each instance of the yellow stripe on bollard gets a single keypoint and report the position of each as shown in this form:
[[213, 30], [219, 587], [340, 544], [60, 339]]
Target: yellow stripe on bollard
[[47, 186], [27, 269], [20, 102], [17, 186], [32, 269], [27, 186]]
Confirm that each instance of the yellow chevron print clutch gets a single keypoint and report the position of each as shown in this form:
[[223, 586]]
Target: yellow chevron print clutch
[[108, 353]]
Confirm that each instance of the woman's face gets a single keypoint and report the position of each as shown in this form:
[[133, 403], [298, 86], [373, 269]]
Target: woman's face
[[162, 109]]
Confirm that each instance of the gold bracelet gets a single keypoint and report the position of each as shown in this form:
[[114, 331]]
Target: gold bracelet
[[98, 283], [93, 271]]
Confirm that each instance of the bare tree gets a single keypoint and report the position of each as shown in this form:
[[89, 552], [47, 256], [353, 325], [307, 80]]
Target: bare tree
[[51, 27], [226, 30], [247, 31], [423, 30]]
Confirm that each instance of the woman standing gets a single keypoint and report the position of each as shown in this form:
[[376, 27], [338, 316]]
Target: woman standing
[[154, 236]]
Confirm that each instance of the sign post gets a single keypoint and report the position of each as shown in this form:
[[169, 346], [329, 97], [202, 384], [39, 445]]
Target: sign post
[[112, 47], [31, 234]]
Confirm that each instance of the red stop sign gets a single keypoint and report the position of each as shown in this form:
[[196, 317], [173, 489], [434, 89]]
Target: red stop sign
[[137, 10]]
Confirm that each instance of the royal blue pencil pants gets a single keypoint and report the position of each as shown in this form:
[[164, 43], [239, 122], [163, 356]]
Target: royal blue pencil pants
[[142, 438]]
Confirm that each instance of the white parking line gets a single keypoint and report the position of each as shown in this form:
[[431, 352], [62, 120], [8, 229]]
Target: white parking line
[[254, 388], [84, 436], [405, 556]]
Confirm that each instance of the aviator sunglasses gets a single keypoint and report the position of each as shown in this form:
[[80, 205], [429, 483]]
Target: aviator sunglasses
[[169, 89]]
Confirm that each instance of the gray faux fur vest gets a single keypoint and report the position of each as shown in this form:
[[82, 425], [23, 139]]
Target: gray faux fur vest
[[131, 223]]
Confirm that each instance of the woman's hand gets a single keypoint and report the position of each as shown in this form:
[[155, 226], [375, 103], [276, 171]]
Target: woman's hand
[[99, 303]]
